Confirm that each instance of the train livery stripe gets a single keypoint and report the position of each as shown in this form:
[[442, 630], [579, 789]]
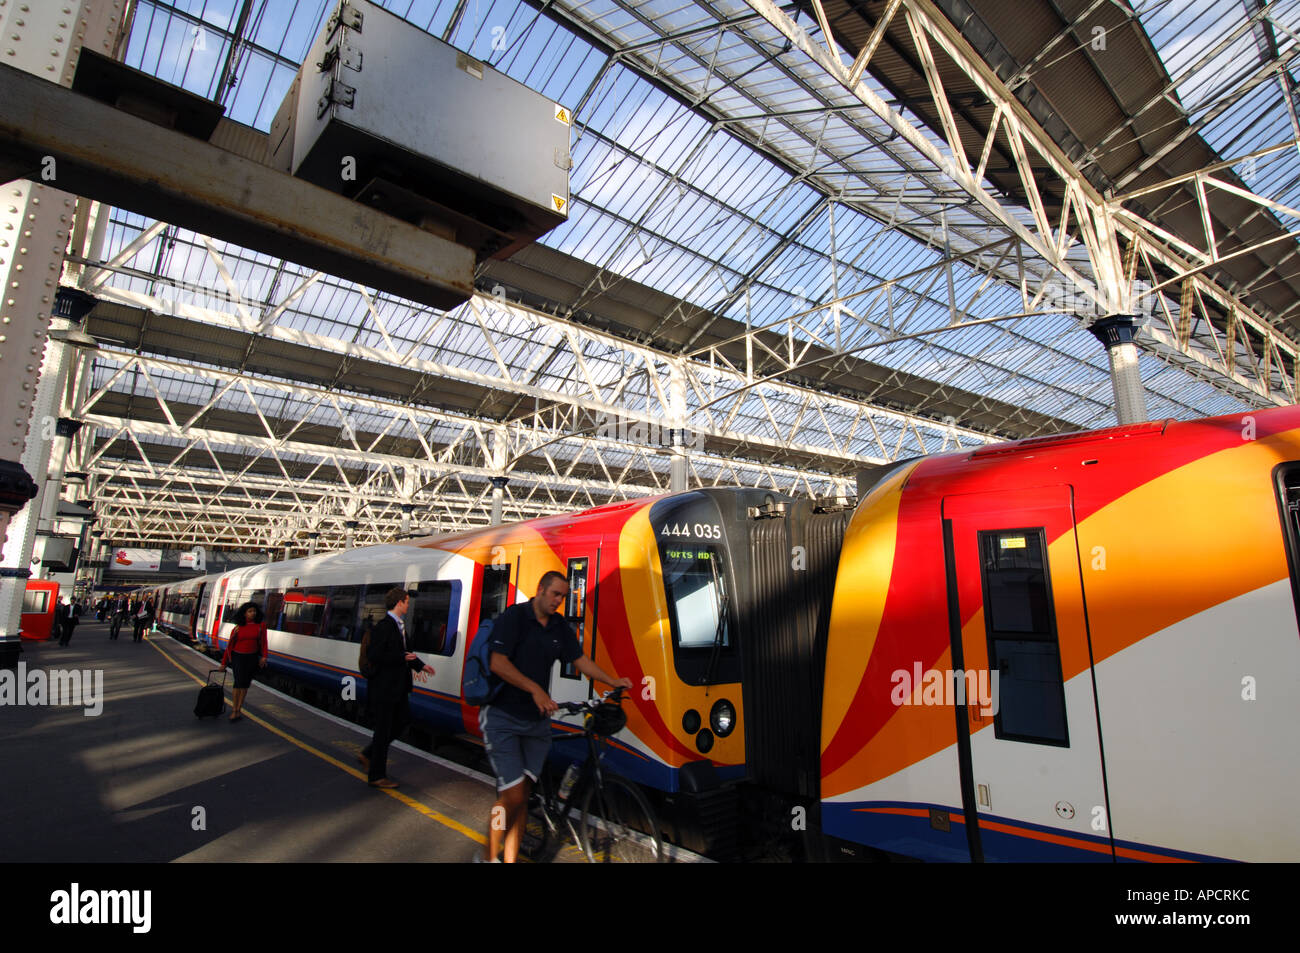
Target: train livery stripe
[[917, 817], [1248, 543], [866, 562], [870, 644], [643, 649]]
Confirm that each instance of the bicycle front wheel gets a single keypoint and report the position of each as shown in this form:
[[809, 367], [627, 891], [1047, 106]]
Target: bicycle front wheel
[[618, 825], [540, 829]]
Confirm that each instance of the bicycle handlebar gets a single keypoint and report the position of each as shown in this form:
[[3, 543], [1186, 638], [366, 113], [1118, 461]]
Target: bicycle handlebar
[[614, 696]]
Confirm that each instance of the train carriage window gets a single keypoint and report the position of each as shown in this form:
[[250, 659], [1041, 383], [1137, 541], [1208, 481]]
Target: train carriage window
[[495, 592], [303, 609], [1023, 645], [273, 608], [341, 613], [575, 610], [431, 618], [234, 599], [372, 607]]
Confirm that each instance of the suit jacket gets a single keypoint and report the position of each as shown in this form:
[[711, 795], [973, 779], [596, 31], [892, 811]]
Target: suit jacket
[[391, 678]]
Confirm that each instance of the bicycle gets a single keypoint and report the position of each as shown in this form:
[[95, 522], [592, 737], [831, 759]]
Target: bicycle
[[614, 822]]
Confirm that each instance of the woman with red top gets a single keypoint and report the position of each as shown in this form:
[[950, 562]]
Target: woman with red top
[[246, 650]]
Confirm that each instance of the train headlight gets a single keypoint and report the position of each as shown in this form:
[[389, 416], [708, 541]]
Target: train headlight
[[722, 718], [691, 722], [704, 741]]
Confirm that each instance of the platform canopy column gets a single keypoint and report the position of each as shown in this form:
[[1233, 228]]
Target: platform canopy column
[[410, 486], [677, 408], [99, 554], [44, 38], [500, 456], [1116, 333]]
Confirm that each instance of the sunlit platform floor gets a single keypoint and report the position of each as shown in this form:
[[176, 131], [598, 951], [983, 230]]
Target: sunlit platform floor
[[147, 781]]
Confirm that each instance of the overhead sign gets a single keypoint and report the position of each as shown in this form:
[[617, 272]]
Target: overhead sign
[[135, 560]]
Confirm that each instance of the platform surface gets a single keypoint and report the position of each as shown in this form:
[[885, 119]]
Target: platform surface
[[147, 781]]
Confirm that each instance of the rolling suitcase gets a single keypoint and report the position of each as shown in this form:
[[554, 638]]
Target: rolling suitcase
[[212, 698]]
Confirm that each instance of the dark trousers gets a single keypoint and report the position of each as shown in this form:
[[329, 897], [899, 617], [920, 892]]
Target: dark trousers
[[391, 718], [139, 630], [116, 626], [66, 636]]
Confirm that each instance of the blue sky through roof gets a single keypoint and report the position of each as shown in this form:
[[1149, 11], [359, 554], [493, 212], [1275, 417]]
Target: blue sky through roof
[[663, 196]]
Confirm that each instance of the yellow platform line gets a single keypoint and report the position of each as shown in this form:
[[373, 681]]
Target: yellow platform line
[[406, 799]]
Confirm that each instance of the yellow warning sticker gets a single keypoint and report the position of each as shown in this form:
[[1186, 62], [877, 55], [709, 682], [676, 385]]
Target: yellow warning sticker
[[562, 115], [1012, 542], [558, 202]]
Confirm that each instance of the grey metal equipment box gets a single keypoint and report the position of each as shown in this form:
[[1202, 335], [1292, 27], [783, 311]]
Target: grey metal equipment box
[[387, 114]]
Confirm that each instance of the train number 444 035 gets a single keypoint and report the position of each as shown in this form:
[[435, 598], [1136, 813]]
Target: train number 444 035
[[701, 530]]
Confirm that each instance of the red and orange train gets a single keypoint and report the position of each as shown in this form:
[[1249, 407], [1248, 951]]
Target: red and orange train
[[1080, 647]]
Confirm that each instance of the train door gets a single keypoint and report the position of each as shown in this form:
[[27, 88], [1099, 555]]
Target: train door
[[433, 628], [199, 612], [218, 611], [567, 683], [1032, 775]]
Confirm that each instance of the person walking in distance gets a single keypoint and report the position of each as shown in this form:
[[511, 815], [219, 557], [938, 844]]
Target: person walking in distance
[[527, 639], [247, 651], [389, 685], [63, 621], [143, 619], [119, 611]]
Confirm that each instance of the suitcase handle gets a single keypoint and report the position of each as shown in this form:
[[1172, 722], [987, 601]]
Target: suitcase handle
[[224, 673]]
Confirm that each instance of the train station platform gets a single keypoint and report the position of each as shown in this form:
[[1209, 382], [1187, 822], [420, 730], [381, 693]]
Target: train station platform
[[129, 774]]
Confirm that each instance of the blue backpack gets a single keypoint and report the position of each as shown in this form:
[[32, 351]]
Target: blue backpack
[[480, 685]]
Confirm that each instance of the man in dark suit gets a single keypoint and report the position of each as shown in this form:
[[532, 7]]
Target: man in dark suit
[[389, 684], [63, 622]]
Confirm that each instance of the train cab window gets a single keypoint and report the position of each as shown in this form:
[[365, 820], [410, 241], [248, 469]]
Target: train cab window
[[341, 614], [575, 610], [432, 616], [496, 590], [36, 600], [695, 597], [1022, 640], [699, 613]]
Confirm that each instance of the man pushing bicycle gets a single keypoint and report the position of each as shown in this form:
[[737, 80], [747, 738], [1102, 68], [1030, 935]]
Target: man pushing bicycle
[[526, 640]]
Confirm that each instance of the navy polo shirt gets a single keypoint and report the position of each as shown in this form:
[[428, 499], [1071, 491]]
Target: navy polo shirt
[[518, 635]]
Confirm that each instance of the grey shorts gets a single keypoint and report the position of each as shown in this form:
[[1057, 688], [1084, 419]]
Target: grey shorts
[[515, 747]]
